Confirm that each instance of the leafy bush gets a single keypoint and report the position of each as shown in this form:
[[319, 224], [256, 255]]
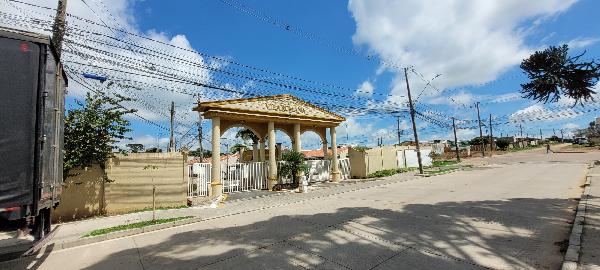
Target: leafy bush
[[435, 156], [294, 164], [389, 172], [360, 148]]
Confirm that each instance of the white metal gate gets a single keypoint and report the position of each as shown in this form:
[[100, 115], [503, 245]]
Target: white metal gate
[[344, 168], [198, 179], [238, 177], [318, 170], [244, 176]]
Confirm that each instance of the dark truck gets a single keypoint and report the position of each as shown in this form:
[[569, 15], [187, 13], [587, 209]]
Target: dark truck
[[32, 104]]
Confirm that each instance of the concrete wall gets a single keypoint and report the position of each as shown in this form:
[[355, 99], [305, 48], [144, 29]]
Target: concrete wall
[[379, 158], [130, 186], [82, 195]]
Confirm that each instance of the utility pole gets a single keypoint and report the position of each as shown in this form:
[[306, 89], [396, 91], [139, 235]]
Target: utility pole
[[521, 139], [347, 138], [541, 135], [59, 26], [171, 139], [399, 131], [412, 118], [200, 133], [562, 136], [455, 141], [480, 131], [491, 137]]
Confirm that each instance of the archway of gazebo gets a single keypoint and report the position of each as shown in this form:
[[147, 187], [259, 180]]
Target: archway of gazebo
[[264, 115]]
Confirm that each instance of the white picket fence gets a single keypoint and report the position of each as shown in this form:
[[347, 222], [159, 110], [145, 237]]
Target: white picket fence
[[238, 177]]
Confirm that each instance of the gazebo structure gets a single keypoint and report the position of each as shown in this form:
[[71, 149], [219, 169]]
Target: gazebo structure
[[264, 115]]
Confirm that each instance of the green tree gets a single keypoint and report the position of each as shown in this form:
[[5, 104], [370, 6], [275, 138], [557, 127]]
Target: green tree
[[294, 164], [135, 147], [477, 140], [554, 138], [502, 144], [196, 153], [93, 129], [553, 73], [247, 135], [237, 148]]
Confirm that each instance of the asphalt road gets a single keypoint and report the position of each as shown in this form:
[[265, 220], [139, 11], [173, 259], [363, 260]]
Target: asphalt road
[[510, 214]]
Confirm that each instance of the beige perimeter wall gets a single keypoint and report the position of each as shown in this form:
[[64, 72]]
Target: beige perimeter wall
[[129, 186], [378, 158], [81, 196]]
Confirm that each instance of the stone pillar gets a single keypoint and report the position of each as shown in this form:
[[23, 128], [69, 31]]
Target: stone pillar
[[261, 142], [272, 158], [255, 152], [297, 143], [325, 150], [335, 170], [216, 188], [298, 147]]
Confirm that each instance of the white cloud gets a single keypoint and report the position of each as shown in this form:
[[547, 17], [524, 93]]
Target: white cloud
[[462, 98], [366, 88], [571, 126], [582, 42], [468, 42], [152, 95], [538, 112], [463, 134]]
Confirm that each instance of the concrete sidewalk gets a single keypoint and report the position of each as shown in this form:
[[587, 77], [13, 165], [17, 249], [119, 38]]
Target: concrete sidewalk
[[590, 244], [237, 203]]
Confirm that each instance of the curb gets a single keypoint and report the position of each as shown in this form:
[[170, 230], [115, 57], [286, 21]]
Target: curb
[[440, 173], [571, 261], [120, 234]]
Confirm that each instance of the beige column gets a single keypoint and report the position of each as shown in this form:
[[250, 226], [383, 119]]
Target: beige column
[[255, 152], [215, 184], [272, 158], [298, 147], [262, 150], [335, 170], [297, 143]]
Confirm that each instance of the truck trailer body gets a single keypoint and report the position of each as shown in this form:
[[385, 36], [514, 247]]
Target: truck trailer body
[[32, 104]]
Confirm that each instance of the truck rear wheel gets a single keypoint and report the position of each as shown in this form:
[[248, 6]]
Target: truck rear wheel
[[42, 224]]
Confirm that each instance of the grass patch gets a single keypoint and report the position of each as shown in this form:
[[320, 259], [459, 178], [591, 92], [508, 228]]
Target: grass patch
[[390, 172], [442, 163], [518, 149], [439, 170], [140, 224], [159, 208]]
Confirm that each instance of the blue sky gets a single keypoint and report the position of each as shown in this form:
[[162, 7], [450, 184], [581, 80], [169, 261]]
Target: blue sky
[[474, 46]]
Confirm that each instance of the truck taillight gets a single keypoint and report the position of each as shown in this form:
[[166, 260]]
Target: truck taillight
[[10, 209], [24, 47]]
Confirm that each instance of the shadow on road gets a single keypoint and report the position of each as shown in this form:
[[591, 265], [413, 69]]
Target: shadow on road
[[515, 233]]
